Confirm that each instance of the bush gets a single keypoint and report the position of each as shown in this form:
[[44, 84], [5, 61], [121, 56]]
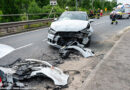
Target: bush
[[37, 25], [34, 8], [0, 16], [56, 9], [24, 17]]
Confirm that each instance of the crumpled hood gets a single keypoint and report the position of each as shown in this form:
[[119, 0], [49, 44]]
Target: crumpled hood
[[69, 25]]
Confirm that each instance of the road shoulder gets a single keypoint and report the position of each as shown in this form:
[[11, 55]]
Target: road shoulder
[[112, 73]]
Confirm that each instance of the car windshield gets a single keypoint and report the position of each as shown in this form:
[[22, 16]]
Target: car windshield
[[73, 16]]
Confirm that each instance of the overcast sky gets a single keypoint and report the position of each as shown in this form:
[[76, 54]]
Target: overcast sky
[[124, 1]]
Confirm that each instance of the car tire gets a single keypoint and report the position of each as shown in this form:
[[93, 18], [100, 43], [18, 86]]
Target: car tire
[[121, 17], [110, 16], [128, 17], [89, 42]]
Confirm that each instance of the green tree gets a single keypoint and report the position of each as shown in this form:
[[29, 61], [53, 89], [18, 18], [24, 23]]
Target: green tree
[[48, 8], [13, 7], [34, 9], [62, 3], [9, 7], [42, 3], [42, 6], [24, 17], [1, 16], [86, 4]]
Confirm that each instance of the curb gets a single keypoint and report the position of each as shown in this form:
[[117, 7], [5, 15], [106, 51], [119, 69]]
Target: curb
[[119, 34], [93, 73]]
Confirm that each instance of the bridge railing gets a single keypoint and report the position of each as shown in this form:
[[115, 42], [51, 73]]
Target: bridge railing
[[21, 23], [27, 24], [21, 26]]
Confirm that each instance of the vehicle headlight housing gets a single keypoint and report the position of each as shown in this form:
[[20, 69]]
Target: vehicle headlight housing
[[88, 26], [86, 29], [51, 31]]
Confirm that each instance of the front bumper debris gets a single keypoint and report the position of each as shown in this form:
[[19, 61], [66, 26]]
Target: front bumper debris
[[29, 68], [65, 51], [62, 38]]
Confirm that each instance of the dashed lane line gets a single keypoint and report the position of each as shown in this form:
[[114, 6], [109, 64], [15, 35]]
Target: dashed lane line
[[28, 45], [24, 46], [44, 40], [101, 23]]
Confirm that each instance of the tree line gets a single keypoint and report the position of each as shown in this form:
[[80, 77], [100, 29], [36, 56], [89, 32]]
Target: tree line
[[26, 7]]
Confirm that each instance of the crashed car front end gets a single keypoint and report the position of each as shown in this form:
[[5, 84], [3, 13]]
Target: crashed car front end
[[62, 38]]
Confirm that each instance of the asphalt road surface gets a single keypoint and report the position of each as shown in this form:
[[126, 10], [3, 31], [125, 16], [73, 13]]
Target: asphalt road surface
[[33, 44]]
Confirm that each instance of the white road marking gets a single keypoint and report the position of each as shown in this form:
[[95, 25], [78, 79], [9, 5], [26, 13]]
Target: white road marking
[[101, 23], [44, 40], [24, 46], [5, 50]]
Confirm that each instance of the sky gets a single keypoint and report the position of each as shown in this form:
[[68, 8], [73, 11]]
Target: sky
[[124, 1]]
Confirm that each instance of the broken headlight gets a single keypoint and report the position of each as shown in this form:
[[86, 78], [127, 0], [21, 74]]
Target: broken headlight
[[51, 31], [86, 29]]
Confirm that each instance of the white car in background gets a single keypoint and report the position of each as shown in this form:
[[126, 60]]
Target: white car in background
[[70, 26]]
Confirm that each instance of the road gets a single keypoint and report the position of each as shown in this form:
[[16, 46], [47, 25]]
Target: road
[[33, 44]]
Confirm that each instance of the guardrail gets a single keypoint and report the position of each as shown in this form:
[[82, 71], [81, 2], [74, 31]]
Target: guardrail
[[13, 24], [15, 27]]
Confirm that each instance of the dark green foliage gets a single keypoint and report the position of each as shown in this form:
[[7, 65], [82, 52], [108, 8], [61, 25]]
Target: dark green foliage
[[13, 7], [26, 7], [42, 3], [9, 7], [34, 9], [86, 4]]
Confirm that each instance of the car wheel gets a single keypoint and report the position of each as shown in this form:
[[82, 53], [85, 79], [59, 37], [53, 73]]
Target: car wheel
[[128, 17], [89, 42], [121, 17], [110, 17]]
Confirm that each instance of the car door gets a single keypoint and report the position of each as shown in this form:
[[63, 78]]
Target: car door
[[124, 14]]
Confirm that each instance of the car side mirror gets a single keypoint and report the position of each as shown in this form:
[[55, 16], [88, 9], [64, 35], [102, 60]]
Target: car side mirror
[[91, 20], [55, 19]]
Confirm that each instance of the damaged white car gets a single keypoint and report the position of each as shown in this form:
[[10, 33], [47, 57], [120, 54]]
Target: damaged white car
[[70, 26]]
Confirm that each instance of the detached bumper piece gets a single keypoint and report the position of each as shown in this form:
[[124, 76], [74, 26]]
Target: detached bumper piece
[[65, 51], [29, 68], [8, 81]]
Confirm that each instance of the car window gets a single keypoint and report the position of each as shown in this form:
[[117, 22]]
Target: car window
[[73, 16], [120, 10]]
